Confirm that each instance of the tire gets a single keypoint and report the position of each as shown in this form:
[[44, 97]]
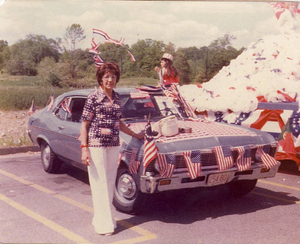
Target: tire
[[127, 196], [241, 188], [50, 161]]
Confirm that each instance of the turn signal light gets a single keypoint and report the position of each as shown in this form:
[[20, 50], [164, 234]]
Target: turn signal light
[[264, 170], [164, 182]]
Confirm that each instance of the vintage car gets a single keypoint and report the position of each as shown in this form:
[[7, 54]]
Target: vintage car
[[184, 153]]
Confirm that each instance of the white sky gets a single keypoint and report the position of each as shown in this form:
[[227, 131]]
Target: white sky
[[185, 24]]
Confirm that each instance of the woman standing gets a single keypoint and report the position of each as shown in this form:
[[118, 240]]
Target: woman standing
[[168, 74], [100, 144]]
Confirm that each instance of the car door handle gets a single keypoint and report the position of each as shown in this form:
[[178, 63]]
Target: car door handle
[[61, 127]]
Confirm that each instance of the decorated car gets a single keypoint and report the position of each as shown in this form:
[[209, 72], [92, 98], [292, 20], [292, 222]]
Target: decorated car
[[179, 151]]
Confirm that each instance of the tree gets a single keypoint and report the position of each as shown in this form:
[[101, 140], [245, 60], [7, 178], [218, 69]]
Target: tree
[[4, 53], [74, 34], [27, 54], [181, 63]]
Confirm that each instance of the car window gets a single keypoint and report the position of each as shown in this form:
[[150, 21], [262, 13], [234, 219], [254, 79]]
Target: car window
[[76, 107], [70, 109], [138, 107]]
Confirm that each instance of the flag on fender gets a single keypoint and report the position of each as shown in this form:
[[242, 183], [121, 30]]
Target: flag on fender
[[150, 149], [166, 164]]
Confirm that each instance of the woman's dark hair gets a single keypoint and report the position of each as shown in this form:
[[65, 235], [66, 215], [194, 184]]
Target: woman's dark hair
[[172, 71], [111, 67]]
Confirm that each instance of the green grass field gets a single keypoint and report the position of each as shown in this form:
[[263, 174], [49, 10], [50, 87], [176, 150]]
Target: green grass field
[[18, 92]]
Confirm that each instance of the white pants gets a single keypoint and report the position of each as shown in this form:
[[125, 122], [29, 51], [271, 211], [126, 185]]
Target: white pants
[[102, 176]]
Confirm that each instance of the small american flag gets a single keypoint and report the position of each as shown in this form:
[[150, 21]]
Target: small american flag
[[51, 102], [134, 164], [267, 160], [243, 161], [193, 163], [166, 163], [65, 105], [150, 149], [224, 157], [32, 109]]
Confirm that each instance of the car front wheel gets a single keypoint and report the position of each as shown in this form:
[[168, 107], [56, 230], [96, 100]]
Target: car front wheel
[[127, 197], [241, 188], [50, 161]]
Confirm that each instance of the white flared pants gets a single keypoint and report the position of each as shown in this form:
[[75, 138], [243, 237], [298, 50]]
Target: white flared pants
[[102, 176]]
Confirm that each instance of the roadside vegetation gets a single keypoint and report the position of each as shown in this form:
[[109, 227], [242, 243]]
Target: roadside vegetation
[[35, 67]]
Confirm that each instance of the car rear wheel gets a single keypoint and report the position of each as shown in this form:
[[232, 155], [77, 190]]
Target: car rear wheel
[[50, 161], [241, 188], [127, 197]]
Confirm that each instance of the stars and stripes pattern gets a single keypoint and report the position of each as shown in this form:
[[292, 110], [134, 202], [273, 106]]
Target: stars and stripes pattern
[[97, 55], [32, 109], [193, 163], [51, 102], [65, 105], [280, 7], [266, 159], [108, 38], [224, 157], [166, 164], [132, 156], [243, 161], [150, 149]]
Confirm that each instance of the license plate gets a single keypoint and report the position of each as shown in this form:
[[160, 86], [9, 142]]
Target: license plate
[[218, 179]]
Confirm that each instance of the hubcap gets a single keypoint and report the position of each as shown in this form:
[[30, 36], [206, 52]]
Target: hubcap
[[46, 156], [126, 186]]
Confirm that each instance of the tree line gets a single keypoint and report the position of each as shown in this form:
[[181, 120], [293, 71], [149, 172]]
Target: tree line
[[59, 63]]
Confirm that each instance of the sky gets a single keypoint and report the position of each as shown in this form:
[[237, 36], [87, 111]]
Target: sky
[[185, 24]]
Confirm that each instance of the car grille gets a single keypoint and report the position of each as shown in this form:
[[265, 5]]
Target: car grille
[[209, 159]]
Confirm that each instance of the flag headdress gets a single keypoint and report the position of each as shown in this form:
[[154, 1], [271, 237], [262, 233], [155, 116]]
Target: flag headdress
[[94, 49]]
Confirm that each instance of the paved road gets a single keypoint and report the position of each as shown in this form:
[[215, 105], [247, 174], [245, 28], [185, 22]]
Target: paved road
[[37, 207]]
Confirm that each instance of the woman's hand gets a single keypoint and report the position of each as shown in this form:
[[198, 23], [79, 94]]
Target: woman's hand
[[140, 135], [157, 69], [85, 156]]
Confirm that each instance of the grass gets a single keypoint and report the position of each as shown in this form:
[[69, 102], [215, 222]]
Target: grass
[[15, 140]]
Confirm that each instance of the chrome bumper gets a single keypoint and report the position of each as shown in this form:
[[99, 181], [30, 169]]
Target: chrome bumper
[[181, 180]]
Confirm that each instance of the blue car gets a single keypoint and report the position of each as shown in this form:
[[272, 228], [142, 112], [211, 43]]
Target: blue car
[[180, 152]]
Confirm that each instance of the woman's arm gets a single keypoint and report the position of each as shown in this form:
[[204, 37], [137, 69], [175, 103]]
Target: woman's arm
[[85, 153], [128, 131]]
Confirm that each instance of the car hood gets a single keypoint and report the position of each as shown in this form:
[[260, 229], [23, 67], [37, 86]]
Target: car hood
[[207, 135]]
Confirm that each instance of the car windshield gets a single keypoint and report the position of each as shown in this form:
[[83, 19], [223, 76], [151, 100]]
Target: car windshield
[[156, 106]]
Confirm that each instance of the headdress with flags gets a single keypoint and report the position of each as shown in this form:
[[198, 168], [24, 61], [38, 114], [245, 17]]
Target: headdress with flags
[[150, 149], [97, 55]]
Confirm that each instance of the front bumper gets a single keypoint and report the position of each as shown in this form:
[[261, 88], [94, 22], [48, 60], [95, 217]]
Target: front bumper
[[181, 179]]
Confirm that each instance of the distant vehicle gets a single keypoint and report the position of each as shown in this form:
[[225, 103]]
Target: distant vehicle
[[191, 153]]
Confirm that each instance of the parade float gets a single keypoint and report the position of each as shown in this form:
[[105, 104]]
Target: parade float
[[260, 88]]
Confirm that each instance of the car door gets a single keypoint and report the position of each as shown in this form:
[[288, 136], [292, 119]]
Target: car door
[[68, 123]]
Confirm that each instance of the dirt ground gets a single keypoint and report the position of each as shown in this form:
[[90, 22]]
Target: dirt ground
[[13, 126]]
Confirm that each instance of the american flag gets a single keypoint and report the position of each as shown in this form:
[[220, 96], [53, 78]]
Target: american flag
[[32, 109], [150, 149], [243, 160], [65, 105], [224, 157], [107, 38], [131, 155], [166, 164], [267, 160], [280, 7], [133, 59], [193, 163], [51, 102]]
